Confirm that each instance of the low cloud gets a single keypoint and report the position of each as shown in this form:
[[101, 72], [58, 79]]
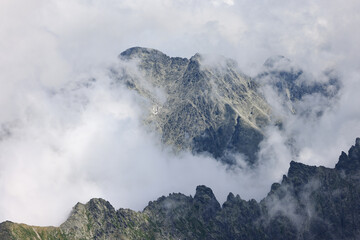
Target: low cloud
[[88, 140]]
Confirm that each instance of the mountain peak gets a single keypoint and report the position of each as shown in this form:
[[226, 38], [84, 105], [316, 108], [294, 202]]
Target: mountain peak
[[140, 52], [350, 162], [357, 142], [274, 61], [299, 173], [204, 192], [205, 202], [197, 57]]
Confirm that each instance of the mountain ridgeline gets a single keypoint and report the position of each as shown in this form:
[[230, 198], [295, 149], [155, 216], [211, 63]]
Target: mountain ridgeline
[[209, 105], [310, 203]]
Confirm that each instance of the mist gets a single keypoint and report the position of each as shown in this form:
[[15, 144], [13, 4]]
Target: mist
[[68, 134]]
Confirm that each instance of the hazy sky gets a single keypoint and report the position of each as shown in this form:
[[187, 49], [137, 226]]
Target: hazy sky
[[63, 141]]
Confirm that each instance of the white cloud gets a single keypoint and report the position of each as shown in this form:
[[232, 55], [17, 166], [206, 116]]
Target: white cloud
[[61, 143]]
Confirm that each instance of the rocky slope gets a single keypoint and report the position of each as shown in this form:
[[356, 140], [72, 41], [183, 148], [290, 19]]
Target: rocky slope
[[310, 203], [209, 105], [196, 105]]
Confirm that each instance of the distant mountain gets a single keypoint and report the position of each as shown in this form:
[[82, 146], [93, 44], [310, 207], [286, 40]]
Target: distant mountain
[[292, 84], [209, 105], [310, 203]]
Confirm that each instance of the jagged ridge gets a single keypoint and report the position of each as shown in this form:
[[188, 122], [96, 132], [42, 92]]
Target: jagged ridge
[[310, 203]]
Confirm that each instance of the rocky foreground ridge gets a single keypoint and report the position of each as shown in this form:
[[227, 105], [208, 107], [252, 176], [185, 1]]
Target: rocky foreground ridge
[[210, 105], [310, 203]]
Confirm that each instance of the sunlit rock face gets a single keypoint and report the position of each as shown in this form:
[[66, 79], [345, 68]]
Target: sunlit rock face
[[198, 104]]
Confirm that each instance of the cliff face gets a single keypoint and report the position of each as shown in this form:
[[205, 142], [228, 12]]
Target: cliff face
[[196, 105], [310, 203]]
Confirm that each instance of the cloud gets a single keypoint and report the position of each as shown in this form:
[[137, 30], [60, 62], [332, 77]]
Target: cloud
[[87, 140], [66, 139]]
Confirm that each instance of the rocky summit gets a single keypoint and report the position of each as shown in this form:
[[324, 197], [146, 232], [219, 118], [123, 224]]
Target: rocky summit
[[310, 203], [208, 105]]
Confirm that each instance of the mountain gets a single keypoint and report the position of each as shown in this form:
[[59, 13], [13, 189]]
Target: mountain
[[292, 84], [197, 105], [310, 203], [208, 105]]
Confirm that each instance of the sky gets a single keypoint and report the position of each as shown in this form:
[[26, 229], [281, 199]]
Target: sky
[[65, 139]]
